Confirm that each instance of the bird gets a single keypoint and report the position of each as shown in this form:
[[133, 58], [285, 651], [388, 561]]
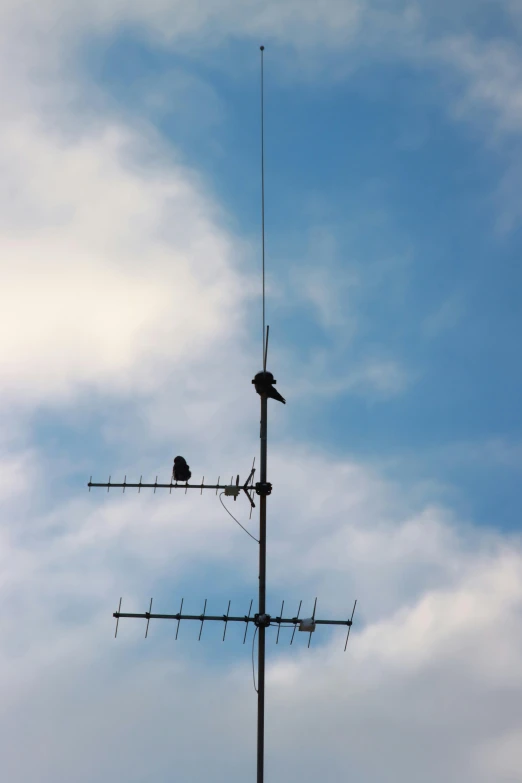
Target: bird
[[181, 471], [264, 385]]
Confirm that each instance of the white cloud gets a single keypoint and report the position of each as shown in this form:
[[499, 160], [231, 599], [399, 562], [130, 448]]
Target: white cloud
[[175, 20], [491, 70], [108, 268], [430, 676]]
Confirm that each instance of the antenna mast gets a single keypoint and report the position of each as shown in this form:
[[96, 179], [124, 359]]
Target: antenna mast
[[264, 384], [265, 486]]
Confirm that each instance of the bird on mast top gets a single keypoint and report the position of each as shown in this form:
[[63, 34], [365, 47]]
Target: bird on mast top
[[264, 385]]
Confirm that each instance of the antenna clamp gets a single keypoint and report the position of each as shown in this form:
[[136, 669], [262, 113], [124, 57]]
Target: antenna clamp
[[262, 620], [263, 488]]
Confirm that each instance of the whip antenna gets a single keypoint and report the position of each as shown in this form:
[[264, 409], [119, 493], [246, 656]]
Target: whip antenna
[[265, 329]]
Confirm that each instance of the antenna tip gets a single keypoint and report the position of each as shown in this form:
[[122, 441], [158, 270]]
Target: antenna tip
[[262, 48]]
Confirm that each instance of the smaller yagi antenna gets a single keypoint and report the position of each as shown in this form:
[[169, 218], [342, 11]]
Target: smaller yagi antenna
[[233, 489]]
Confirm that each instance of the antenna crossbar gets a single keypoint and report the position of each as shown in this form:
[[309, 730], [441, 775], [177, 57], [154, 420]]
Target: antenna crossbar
[[142, 485], [229, 489], [224, 618], [260, 620]]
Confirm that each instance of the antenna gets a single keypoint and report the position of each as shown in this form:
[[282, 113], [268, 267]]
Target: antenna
[[312, 624], [202, 620], [148, 619], [265, 338], [264, 383], [265, 354]]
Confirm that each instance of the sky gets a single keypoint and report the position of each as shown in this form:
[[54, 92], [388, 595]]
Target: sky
[[131, 329]]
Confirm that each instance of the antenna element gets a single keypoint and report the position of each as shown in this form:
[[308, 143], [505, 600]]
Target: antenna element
[[265, 335]]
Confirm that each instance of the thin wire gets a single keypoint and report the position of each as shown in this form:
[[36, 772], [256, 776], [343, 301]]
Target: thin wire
[[235, 520], [253, 665], [263, 195]]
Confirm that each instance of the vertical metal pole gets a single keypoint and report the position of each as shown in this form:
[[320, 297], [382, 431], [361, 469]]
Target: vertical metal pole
[[262, 601], [262, 498]]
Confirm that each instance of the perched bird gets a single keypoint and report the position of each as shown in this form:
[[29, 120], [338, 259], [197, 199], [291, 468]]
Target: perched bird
[[264, 385], [180, 471]]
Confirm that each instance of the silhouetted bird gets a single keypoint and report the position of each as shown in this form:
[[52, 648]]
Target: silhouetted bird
[[181, 471], [264, 385]]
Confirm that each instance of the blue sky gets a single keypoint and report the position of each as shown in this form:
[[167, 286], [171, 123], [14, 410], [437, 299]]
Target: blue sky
[[130, 243], [375, 179]]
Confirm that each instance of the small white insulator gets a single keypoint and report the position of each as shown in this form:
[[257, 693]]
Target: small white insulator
[[307, 625], [232, 490]]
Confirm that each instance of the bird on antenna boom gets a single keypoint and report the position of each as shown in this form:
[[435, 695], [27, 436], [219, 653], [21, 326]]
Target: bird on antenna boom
[[180, 471]]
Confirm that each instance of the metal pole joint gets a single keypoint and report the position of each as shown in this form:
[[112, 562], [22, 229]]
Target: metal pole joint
[[263, 488], [262, 620]]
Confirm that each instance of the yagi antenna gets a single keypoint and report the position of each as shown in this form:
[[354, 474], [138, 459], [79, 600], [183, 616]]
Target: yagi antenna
[[260, 621], [264, 383]]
